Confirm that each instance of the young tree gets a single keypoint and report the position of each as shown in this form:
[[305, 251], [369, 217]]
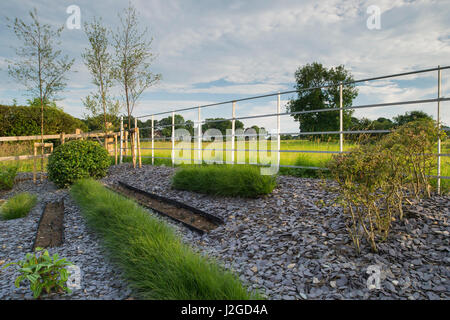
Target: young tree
[[99, 62], [316, 75], [133, 59], [40, 66]]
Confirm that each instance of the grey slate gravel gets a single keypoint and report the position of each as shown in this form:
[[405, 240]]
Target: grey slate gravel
[[287, 227], [100, 280], [259, 241]]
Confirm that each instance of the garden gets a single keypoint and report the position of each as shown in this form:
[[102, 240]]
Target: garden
[[279, 237], [353, 208]]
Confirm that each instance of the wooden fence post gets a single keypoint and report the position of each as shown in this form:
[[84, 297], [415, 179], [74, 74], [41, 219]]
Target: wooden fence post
[[34, 163], [115, 148]]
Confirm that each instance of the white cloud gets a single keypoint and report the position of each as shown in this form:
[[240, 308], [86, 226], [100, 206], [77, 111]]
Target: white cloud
[[257, 45]]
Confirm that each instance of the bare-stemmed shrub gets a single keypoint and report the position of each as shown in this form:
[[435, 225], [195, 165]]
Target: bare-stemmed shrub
[[376, 180]]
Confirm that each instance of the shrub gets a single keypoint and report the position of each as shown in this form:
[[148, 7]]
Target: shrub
[[75, 160], [375, 180], [155, 261], [26, 121], [44, 272], [224, 180], [18, 206], [7, 176]]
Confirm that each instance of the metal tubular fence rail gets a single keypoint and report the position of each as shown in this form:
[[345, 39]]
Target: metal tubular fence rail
[[199, 138]]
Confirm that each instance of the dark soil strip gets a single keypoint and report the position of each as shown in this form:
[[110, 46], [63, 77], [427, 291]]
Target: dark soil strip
[[50, 228], [193, 220]]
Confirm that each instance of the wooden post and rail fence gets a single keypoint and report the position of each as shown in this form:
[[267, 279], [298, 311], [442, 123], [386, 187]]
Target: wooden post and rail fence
[[110, 140]]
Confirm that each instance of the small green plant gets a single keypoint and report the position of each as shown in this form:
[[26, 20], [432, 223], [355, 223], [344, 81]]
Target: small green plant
[[7, 176], [376, 180], [224, 180], [75, 160], [18, 206], [43, 272]]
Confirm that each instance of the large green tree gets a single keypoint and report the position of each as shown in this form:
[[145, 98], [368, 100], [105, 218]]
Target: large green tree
[[221, 124], [165, 125], [402, 119], [316, 75]]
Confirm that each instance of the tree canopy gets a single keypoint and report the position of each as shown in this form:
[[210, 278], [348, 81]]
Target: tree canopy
[[221, 125], [315, 75]]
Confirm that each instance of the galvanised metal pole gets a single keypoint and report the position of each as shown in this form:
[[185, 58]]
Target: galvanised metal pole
[[121, 139], [233, 130], [153, 140], [199, 137], [439, 139], [278, 129], [135, 142], [173, 139], [341, 120]]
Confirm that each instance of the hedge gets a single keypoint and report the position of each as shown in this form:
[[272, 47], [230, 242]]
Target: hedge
[[26, 121]]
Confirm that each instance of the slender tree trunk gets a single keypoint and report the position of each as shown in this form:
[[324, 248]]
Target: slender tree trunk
[[42, 113], [105, 129]]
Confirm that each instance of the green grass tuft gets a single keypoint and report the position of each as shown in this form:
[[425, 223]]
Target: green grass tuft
[[7, 176], [224, 180], [155, 261], [18, 206]]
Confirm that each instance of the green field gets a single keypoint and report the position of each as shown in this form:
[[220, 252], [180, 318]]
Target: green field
[[286, 158]]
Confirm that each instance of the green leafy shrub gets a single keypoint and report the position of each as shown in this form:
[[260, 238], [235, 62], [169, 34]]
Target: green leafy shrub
[[43, 272], [18, 206], [375, 181], [75, 160], [224, 180], [155, 261], [7, 176]]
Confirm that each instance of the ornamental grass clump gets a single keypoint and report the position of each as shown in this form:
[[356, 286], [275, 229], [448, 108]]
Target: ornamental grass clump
[[18, 206], [7, 177], [375, 181], [153, 258], [244, 181]]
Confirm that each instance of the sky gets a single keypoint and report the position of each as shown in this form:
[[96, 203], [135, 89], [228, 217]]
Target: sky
[[213, 51]]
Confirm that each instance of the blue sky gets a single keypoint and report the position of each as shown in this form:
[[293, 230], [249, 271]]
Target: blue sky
[[211, 51]]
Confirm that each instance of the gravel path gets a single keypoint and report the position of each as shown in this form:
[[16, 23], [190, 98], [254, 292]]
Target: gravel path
[[282, 243], [286, 245], [81, 246]]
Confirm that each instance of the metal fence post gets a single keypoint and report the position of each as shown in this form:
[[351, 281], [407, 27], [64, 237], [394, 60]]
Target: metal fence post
[[121, 140], [439, 139], [153, 140], [199, 137], [278, 129], [233, 130], [173, 139], [136, 133], [341, 120]]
